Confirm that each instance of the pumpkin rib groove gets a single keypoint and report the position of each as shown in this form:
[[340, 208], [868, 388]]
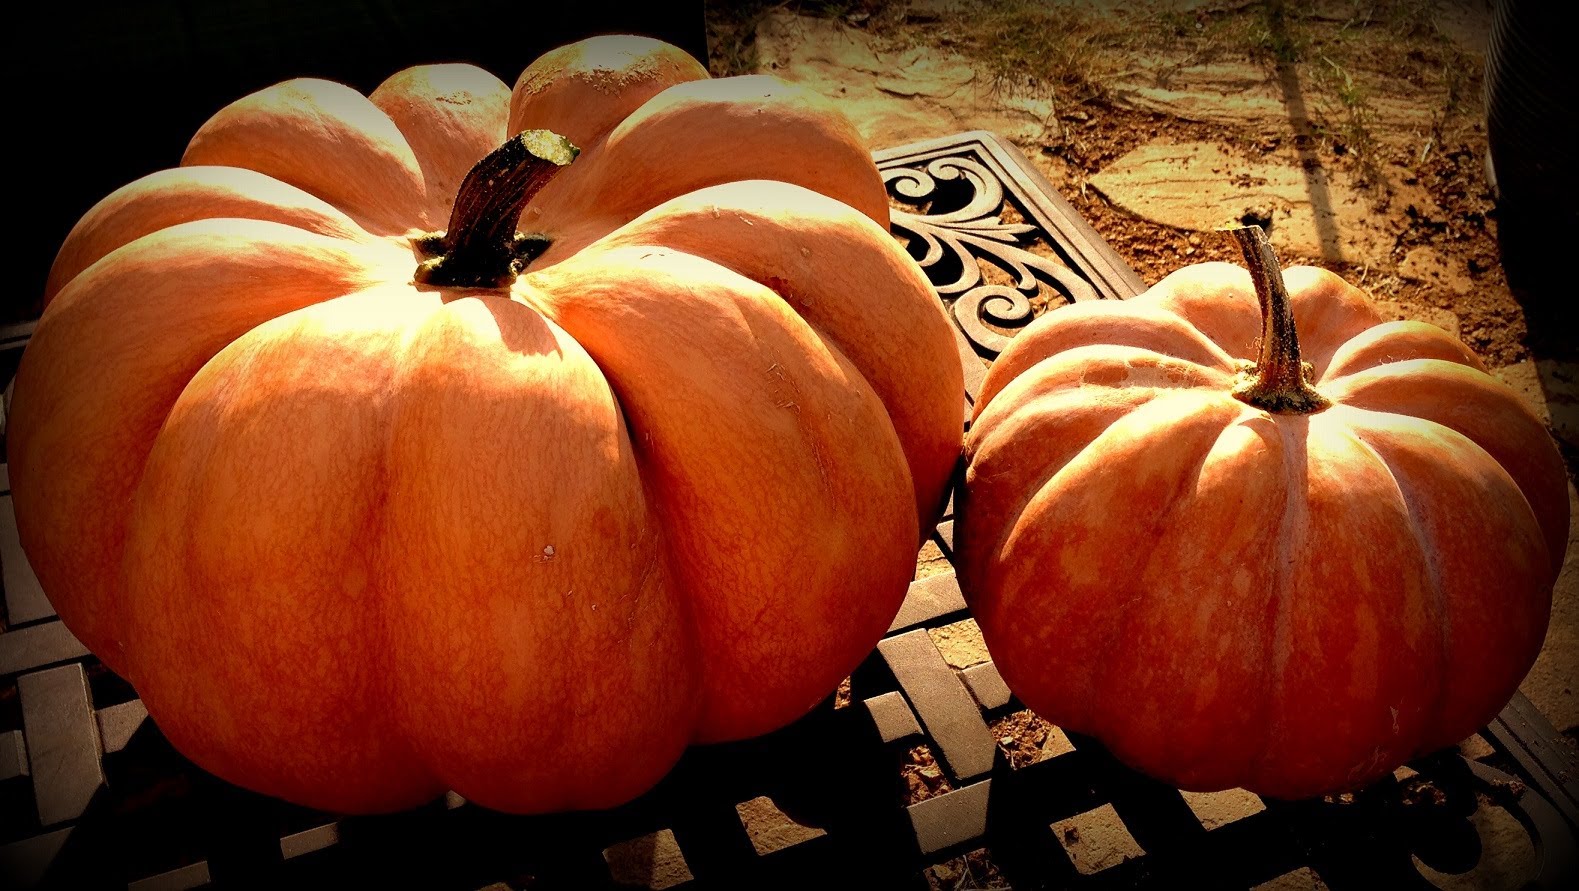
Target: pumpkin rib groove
[[168, 198], [753, 228], [272, 234], [1115, 366], [1090, 325], [1111, 325], [380, 554], [1217, 299], [117, 308], [1086, 472], [825, 155], [984, 431], [1050, 415], [1349, 381], [1410, 500], [1067, 456], [583, 91], [1390, 343], [1328, 312], [383, 552], [1430, 472], [1055, 379], [1221, 360], [1467, 452], [479, 630], [1177, 733], [451, 115], [359, 156], [1100, 690], [1290, 535], [320, 363], [1468, 402], [733, 361]]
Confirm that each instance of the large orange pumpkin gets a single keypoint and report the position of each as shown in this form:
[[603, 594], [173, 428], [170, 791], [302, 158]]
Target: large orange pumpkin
[[368, 503], [1283, 575]]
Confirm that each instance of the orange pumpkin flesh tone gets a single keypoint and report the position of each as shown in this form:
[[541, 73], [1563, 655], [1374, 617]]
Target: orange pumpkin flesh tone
[[1290, 574], [370, 499]]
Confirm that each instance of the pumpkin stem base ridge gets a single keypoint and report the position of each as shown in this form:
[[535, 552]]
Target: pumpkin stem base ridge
[[1278, 381], [481, 248]]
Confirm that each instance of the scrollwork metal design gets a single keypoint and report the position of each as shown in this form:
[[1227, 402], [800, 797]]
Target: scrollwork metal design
[[1004, 306], [973, 233], [1435, 831]]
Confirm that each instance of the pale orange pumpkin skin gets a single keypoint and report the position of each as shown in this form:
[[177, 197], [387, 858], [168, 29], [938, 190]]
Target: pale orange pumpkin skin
[[1227, 596], [357, 541]]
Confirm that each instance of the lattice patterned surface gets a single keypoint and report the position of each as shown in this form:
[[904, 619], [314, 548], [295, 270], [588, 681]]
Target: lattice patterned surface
[[91, 794]]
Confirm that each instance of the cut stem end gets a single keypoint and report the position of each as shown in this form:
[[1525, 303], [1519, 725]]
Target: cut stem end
[[481, 248]]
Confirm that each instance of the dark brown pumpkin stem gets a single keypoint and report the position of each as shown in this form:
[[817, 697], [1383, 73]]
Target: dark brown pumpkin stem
[[481, 248], [1279, 381]]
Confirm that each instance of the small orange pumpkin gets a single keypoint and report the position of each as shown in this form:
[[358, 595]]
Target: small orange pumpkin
[[371, 496], [1286, 576]]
